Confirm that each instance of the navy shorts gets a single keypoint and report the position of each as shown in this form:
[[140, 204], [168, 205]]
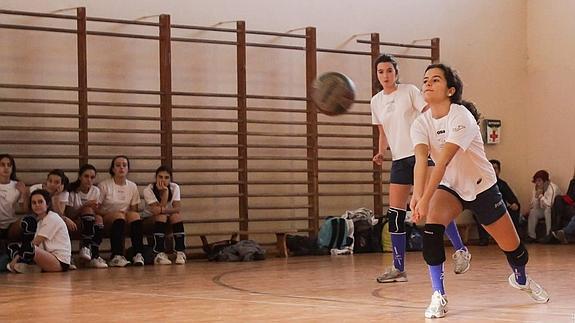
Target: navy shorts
[[488, 205], [402, 170]]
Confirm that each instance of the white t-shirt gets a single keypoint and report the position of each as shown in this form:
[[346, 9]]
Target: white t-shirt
[[78, 199], [62, 196], [548, 196], [396, 112], [469, 172], [9, 196], [57, 242], [114, 197], [150, 198]]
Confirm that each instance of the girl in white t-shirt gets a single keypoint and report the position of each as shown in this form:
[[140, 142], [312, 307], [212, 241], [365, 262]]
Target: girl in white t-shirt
[[13, 194], [163, 205], [462, 178], [56, 183], [119, 201], [83, 204], [393, 110], [50, 249]]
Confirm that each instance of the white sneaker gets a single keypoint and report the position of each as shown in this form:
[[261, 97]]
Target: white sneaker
[[180, 258], [85, 254], [462, 259], [534, 290], [392, 275], [162, 259], [23, 268], [438, 306], [118, 261], [97, 263], [138, 260]]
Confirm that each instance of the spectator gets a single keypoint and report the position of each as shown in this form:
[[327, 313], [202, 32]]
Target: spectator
[[544, 194]]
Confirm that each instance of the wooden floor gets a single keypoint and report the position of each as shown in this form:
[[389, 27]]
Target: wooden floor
[[306, 289]]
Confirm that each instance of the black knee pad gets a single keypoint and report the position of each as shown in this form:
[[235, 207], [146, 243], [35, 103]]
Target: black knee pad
[[178, 228], [396, 220], [433, 250], [519, 256], [27, 251], [13, 249], [88, 221], [29, 224]]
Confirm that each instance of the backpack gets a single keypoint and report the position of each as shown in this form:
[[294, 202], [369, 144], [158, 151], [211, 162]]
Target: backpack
[[214, 249], [367, 237], [333, 234]]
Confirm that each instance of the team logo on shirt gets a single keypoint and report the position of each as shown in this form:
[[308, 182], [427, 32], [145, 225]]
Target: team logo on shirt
[[459, 127], [440, 132]]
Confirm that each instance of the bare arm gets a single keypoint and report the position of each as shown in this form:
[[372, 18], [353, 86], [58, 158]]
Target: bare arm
[[382, 146], [447, 153], [38, 240]]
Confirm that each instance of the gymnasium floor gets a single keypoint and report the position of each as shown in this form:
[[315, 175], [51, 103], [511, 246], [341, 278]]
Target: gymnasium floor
[[298, 289]]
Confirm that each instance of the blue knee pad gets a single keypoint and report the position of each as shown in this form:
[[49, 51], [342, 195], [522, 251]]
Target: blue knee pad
[[519, 256], [396, 220], [433, 250]]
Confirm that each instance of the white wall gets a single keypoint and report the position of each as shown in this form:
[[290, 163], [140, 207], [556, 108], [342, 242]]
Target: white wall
[[550, 114], [485, 40]]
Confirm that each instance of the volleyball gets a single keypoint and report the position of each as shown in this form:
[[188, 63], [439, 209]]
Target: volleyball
[[333, 93]]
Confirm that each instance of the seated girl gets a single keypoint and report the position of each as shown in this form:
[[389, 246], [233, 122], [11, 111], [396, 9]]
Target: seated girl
[[163, 205], [83, 204], [50, 249]]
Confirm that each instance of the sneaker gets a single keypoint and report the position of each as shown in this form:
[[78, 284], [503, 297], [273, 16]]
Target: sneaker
[[180, 258], [138, 260], [118, 261], [85, 254], [23, 268], [97, 263], [438, 306], [534, 290], [162, 259], [392, 275], [560, 235], [462, 259]]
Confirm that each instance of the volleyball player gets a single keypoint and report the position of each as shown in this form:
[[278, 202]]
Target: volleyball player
[[462, 178], [393, 110]]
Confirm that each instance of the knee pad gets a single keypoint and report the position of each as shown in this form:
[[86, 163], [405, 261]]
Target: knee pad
[[519, 256], [88, 221], [396, 220], [433, 250], [27, 251], [178, 228], [28, 224], [13, 249]]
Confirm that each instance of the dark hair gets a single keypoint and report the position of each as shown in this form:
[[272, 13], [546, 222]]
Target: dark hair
[[454, 81], [111, 169], [167, 169], [384, 58], [60, 173], [495, 161], [46, 196], [541, 174], [76, 184], [13, 174]]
